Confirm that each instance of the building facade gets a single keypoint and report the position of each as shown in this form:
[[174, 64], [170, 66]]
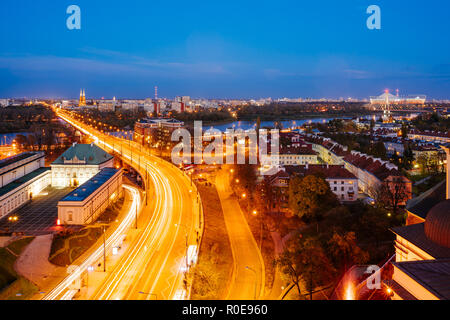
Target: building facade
[[22, 177], [79, 164], [422, 262], [155, 132], [86, 203]]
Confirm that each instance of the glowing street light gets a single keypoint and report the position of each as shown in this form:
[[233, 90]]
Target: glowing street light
[[349, 292]]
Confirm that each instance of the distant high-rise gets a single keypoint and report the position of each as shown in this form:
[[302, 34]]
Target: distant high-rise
[[156, 93]]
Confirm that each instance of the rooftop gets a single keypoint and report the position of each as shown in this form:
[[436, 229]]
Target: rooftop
[[433, 275], [90, 153], [415, 234], [10, 160], [421, 205], [296, 151], [85, 190], [329, 171]]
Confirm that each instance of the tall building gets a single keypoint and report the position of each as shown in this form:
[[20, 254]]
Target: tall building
[[155, 131]]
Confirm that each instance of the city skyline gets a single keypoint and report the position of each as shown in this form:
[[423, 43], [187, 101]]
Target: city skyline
[[232, 51]]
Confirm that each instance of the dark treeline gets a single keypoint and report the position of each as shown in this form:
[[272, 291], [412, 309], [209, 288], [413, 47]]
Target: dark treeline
[[288, 111], [123, 119], [20, 119], [432, 122], [207, 116]]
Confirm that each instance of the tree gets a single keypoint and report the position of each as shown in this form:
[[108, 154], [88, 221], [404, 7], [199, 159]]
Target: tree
[[379, 150], [304, 262], [345, 251], [22, 141], [423, 162], [310, 197], [266, 195], [392, 193], [408, 156], [404, 131], [247, 175], [372, 125], [206, 279], [373, 225]]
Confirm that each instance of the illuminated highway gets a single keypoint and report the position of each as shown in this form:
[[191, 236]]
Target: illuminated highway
[[169, 228]]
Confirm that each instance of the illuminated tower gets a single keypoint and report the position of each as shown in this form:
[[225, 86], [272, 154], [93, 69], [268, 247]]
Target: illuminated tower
[[156, 93], [82, 101]]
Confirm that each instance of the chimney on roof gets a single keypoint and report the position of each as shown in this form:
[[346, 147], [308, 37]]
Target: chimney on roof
[[307, 166], [328, 166], [92, 145], [74, 144]]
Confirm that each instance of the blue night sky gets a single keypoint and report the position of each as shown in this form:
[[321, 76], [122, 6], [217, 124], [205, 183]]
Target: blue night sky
[[224, 49]]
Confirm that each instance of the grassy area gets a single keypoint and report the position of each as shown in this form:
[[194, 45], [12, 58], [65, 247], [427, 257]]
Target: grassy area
[[69, 245], [13, 286], [213, 271]]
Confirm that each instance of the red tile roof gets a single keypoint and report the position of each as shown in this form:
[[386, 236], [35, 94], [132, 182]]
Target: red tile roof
[[329, 171]]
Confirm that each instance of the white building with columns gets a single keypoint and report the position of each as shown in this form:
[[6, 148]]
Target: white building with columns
[[78, 164]]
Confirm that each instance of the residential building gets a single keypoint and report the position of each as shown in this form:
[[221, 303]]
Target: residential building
[[342, 182], [155, 131]]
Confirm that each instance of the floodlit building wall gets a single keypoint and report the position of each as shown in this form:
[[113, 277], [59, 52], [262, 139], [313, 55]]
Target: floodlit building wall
[[23, 194], [64, 176], [87, 211], [412, 286], [21, 168]]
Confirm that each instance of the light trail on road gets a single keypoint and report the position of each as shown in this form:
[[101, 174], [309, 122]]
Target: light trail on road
[[112, 241], [153, 261]]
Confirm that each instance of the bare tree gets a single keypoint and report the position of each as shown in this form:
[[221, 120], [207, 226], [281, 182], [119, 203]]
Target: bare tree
[[392, 193]]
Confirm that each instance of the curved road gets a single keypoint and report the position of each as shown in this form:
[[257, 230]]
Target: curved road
[[154, 264]]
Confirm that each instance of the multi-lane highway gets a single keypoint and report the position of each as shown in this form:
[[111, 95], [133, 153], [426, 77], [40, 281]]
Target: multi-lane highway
[[154, 263]]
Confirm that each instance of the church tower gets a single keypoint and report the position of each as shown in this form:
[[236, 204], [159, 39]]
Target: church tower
[[82, 101]]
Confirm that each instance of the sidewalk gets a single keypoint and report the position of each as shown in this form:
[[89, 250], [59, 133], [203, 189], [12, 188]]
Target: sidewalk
[[33, 264]]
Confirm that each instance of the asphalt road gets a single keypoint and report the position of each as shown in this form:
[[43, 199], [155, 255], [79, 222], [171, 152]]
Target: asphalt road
[[248, 277], [153, 266]]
